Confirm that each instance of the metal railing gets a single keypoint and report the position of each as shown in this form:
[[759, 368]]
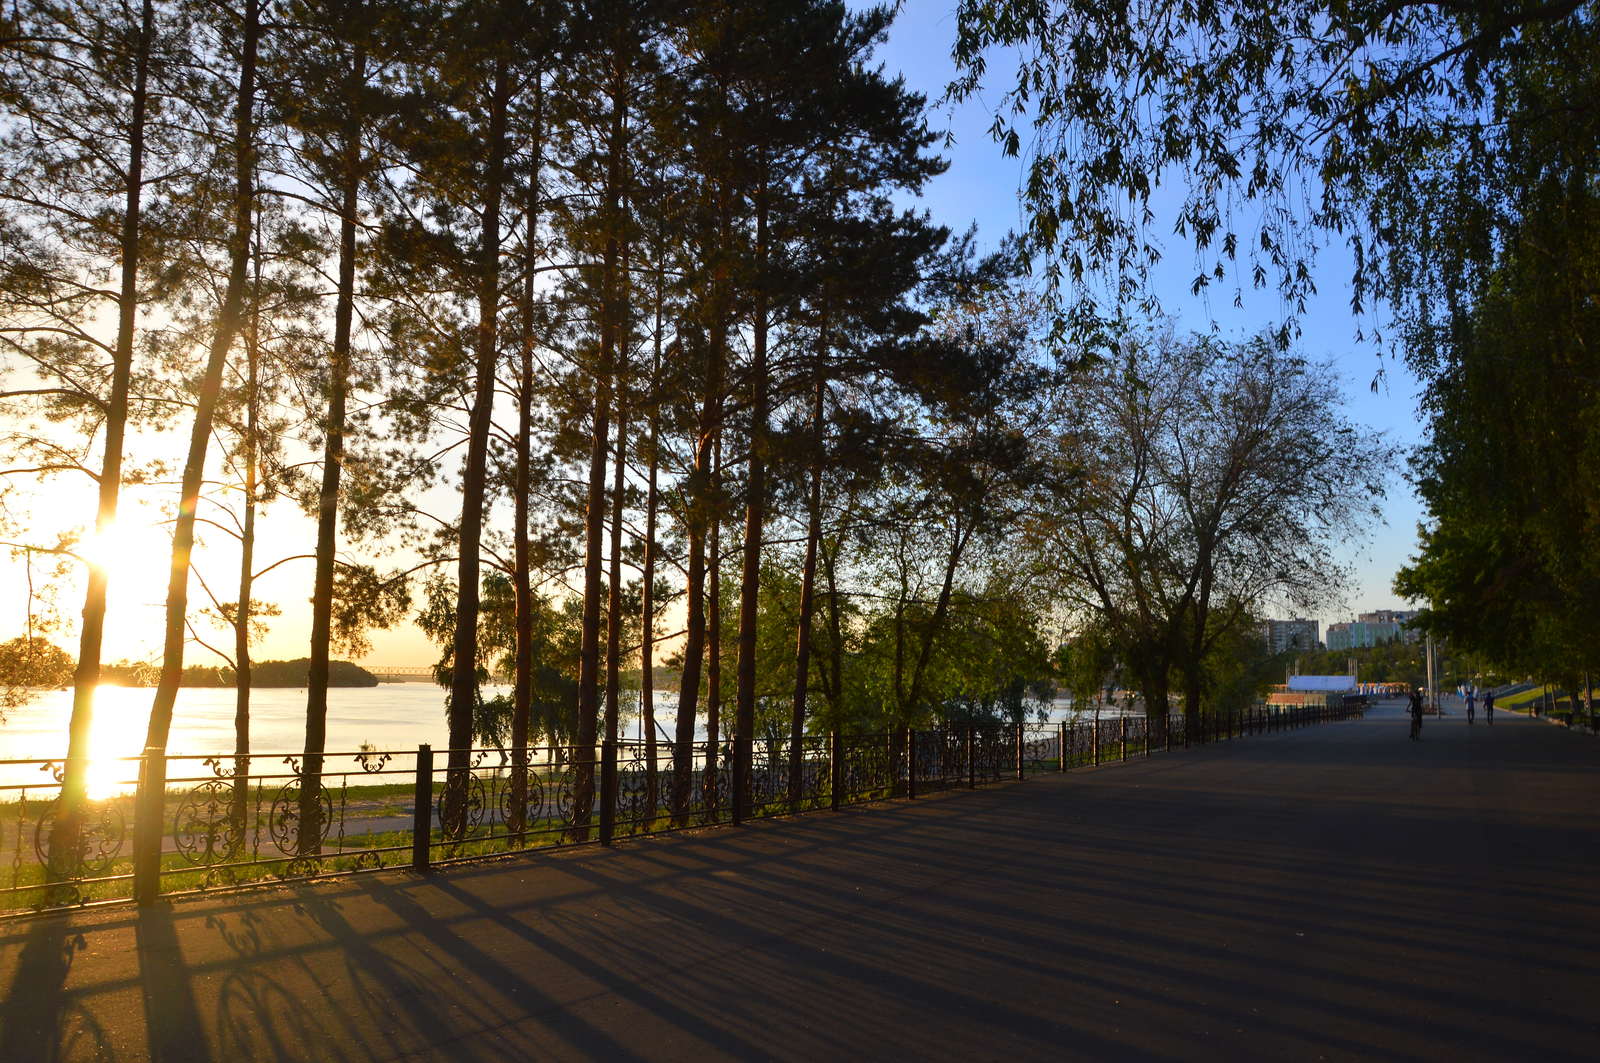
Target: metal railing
[[228, 821]]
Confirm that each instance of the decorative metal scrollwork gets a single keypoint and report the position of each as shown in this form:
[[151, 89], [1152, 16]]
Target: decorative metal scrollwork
[[815, 782], [372, 762], [101, 833], [533, 807], [634, 808], [221, 875], [283, 822], [204, 829], [567, 793], [715, 786], [456, 821]]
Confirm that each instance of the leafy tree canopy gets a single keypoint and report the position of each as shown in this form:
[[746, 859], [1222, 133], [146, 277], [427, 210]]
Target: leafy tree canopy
[[28, 665], [1398, 126]]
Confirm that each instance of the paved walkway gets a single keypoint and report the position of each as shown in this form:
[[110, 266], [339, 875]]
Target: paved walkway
[[1334, 892]]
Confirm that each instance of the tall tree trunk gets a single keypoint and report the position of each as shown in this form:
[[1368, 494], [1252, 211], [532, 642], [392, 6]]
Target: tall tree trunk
[[245, 609], [754, 518], [595, 514], [311, 827], [474, 486], [808, 581], [64, 858], [1192, 694], [589, 660], [151, 812], [830, 568], [647, 619], [700, 508], [521, 571], [958, 545], [694, 640], [1194, 656], [619, 483], [1155, 689], [714, 629]]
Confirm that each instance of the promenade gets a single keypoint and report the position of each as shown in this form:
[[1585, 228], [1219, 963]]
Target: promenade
[[1331, 893]]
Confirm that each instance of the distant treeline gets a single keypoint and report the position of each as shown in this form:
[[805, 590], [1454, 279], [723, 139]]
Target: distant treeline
[[262, 674]]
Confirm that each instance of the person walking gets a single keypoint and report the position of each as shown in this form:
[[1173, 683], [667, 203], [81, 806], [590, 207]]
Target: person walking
[[1416, 714], [1488, 706], [1472, 698]]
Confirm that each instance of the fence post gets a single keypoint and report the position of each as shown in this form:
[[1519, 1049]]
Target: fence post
[[1061, 746], [911, 763], [608, 793], [1019, 752], [742, 763], [149, 813], [1122, 737], [835, 769], [422, 813], [972, 761], [894, 766], [1166, 726], [1096, 740]]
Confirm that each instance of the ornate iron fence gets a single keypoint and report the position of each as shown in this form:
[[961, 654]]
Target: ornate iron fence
[[232, 820]]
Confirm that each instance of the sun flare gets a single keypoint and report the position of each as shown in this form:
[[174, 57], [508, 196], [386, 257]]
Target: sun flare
[[126, 549], [115, 736]]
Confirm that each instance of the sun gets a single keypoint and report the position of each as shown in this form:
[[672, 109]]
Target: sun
[[128, 549], [135, 553]]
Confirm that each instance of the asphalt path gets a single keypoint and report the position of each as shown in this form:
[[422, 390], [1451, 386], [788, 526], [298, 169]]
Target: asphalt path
[[1334, 892]]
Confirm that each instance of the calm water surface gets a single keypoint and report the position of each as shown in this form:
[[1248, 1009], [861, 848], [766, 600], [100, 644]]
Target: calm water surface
[[393, 716]]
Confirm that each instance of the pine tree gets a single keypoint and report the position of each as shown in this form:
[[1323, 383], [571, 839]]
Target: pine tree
[[239, 149], [82, 166]]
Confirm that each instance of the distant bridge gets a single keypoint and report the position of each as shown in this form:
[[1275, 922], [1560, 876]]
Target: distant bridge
[[395, 674]]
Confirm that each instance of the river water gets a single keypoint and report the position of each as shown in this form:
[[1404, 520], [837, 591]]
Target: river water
[[393, 716]]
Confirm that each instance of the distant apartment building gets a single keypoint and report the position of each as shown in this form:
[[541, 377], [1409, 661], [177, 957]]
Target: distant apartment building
[[1387, 616], [1398, 617], [1359, 634], [1297, 634]]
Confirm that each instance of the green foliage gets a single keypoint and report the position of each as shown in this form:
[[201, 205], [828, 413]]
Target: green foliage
[[1509, 561], [1396, 661], [1239, 668], [1202, 479], [1289, 123], [28, 666], [556, 638], [1088, 663]]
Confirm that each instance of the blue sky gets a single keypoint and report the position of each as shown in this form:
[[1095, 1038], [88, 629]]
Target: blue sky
[[981, 186]]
